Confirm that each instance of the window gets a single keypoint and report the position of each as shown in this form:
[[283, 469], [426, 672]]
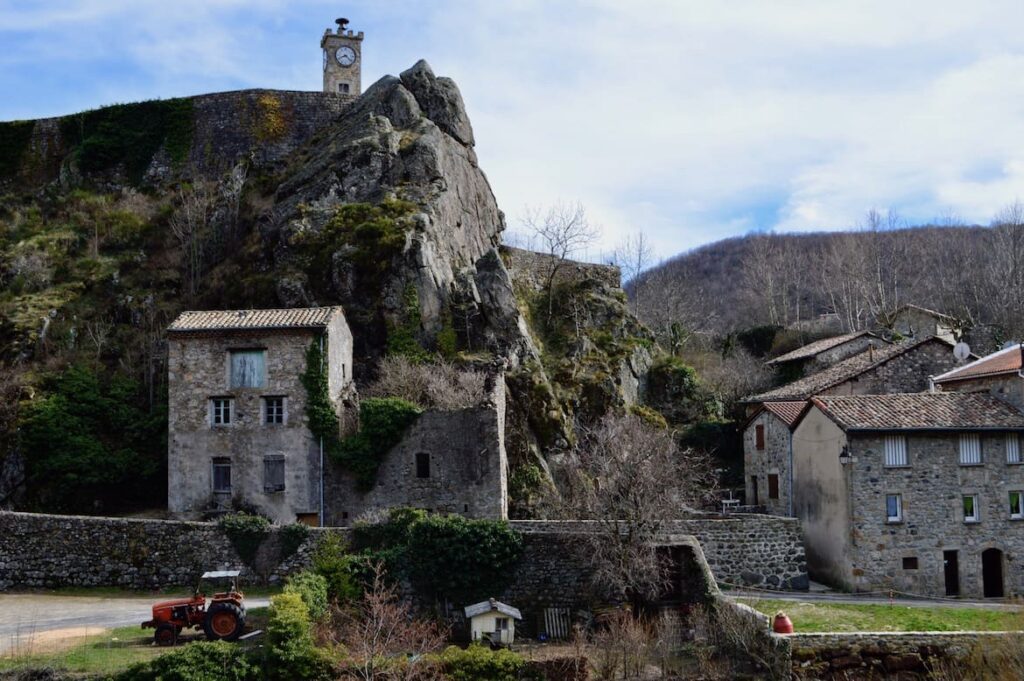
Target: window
[[970, 449], [1017, 504], [1012, 448], [759, 435], [220, 411], [422, 465], [222, 475], [895, 450], [343, 88], [972, 512], [247, 368], [910, 563], [273, 474], [501, 624], [273, 410], [893, 508], [773, 486]]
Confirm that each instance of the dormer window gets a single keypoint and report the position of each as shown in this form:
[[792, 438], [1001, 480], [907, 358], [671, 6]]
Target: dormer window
[[248, 368]]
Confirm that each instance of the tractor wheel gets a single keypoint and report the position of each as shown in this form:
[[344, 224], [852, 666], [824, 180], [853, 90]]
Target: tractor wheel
[[165, 635], [224, 621]]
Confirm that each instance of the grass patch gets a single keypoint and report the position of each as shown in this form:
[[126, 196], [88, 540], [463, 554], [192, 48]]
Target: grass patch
[[815, 617], [105, 653]]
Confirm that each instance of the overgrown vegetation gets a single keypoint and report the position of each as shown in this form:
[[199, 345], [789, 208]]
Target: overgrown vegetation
[[438, 384], [246, 532], [15, 137], [477, 663]]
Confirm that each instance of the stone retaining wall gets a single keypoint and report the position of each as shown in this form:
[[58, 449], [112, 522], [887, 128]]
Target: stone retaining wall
[[748, 550], [887, 655], [530, 269]]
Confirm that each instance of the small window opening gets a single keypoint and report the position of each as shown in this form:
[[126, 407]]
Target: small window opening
[[910, 563], [422, 465], [759, 435], [343, 88], [773, 486]]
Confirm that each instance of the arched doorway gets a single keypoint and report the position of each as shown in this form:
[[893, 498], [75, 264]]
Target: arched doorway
[[992, 573]]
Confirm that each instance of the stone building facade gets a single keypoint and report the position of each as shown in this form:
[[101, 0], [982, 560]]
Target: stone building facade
[[449, 462], [238, 434], [1000, 374], [767, 457], [912, 321], [921, 493], [821, 354]]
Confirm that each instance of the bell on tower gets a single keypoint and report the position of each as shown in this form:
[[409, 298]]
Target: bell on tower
[[342, 59]]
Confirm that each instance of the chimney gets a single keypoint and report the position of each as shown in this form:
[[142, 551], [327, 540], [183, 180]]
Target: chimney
[[871, 351]]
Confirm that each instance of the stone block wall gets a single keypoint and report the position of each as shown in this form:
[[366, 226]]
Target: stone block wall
[[530, 270], [773, 459], [906, 656], [748, 550], [905, 373]]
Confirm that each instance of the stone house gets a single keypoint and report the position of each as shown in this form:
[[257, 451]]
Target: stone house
[[899, 368], [767, 456], [821, 354], [1001, 373], [913, 321], [922, 493], [238, 434]]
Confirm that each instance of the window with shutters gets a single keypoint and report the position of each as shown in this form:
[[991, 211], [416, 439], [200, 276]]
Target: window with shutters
[[759, 436], [222, 475], [220, 411], [273, 474], [1016, 504], [247, 368], [893, 508], [1013, 448], [773, 486], [970, 449], [972, 511], [895, 451]]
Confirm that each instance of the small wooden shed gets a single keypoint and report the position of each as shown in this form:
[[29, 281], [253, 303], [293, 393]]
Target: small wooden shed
[[493, 621]]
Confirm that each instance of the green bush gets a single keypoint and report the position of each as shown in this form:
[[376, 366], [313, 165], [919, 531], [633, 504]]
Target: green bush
[[290, 651], [382, 423], [291, 537], [246, 532], [312, 588], [332, 562], [199, 661], [477, 663], [650, 416]]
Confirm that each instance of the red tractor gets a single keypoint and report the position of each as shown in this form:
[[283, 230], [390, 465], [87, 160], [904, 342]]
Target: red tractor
[[223, 619]]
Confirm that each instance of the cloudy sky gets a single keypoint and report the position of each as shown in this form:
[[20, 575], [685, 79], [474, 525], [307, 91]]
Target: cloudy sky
[[692, 121]]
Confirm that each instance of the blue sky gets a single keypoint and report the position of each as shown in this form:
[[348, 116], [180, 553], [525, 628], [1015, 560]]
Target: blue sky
[[692, 121]]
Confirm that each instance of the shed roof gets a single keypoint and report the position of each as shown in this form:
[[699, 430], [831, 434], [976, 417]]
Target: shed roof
[[818, 347], [231, 320], [492, 605], [1006, 361], [920, 411], [840, 372]]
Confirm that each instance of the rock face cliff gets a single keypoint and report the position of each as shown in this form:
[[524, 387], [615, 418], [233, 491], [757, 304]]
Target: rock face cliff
[[115, 220]]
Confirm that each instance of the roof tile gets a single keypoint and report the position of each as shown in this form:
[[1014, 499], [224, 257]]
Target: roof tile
[[788, 412], [920, 411], [1006, 361], [230, 320], [818, 347]]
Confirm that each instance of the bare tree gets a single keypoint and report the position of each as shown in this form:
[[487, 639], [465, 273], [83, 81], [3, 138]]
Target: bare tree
[[383, 639], [439, 384], [629, 479], [189, 224], [99, 331], [561, 231], [634, 255]]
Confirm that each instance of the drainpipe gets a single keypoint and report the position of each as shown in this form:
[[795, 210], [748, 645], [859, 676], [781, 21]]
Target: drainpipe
[[322, 519], [789, 503]]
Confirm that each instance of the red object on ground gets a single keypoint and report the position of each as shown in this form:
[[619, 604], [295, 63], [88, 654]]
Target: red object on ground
[[782, 624]]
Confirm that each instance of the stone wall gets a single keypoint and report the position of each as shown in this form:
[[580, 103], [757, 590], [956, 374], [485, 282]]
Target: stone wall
[[750, 550], [886, 655], [908, 372], [931, 487], [827, 358], [773, 459], [530, 270], [262, 125], [1008, 388]]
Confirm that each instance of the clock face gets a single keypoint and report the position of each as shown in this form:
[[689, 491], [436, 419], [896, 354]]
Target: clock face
[[345, 55]]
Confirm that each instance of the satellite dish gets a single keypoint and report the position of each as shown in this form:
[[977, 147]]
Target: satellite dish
[[961, 351]]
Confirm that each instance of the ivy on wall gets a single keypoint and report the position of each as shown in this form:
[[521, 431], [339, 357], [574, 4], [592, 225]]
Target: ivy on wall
[[382, 422]]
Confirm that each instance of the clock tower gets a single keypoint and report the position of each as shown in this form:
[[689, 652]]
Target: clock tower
[[343, 60]]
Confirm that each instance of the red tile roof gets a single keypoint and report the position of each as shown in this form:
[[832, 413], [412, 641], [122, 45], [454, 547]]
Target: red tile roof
[[788, 412], [230, 320], [818, 347], [1007, 361], [920, 411]]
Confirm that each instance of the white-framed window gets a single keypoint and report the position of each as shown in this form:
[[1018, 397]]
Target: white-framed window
[[273, 473], [895, 451], [972, 509], [970, 449], [221, 411], [222, 475], [1016, 504], [273, 410], [1013, 448], [248, 368], [893, 508]]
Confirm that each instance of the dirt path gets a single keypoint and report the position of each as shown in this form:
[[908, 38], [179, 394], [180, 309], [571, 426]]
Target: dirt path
[[28, 619]]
